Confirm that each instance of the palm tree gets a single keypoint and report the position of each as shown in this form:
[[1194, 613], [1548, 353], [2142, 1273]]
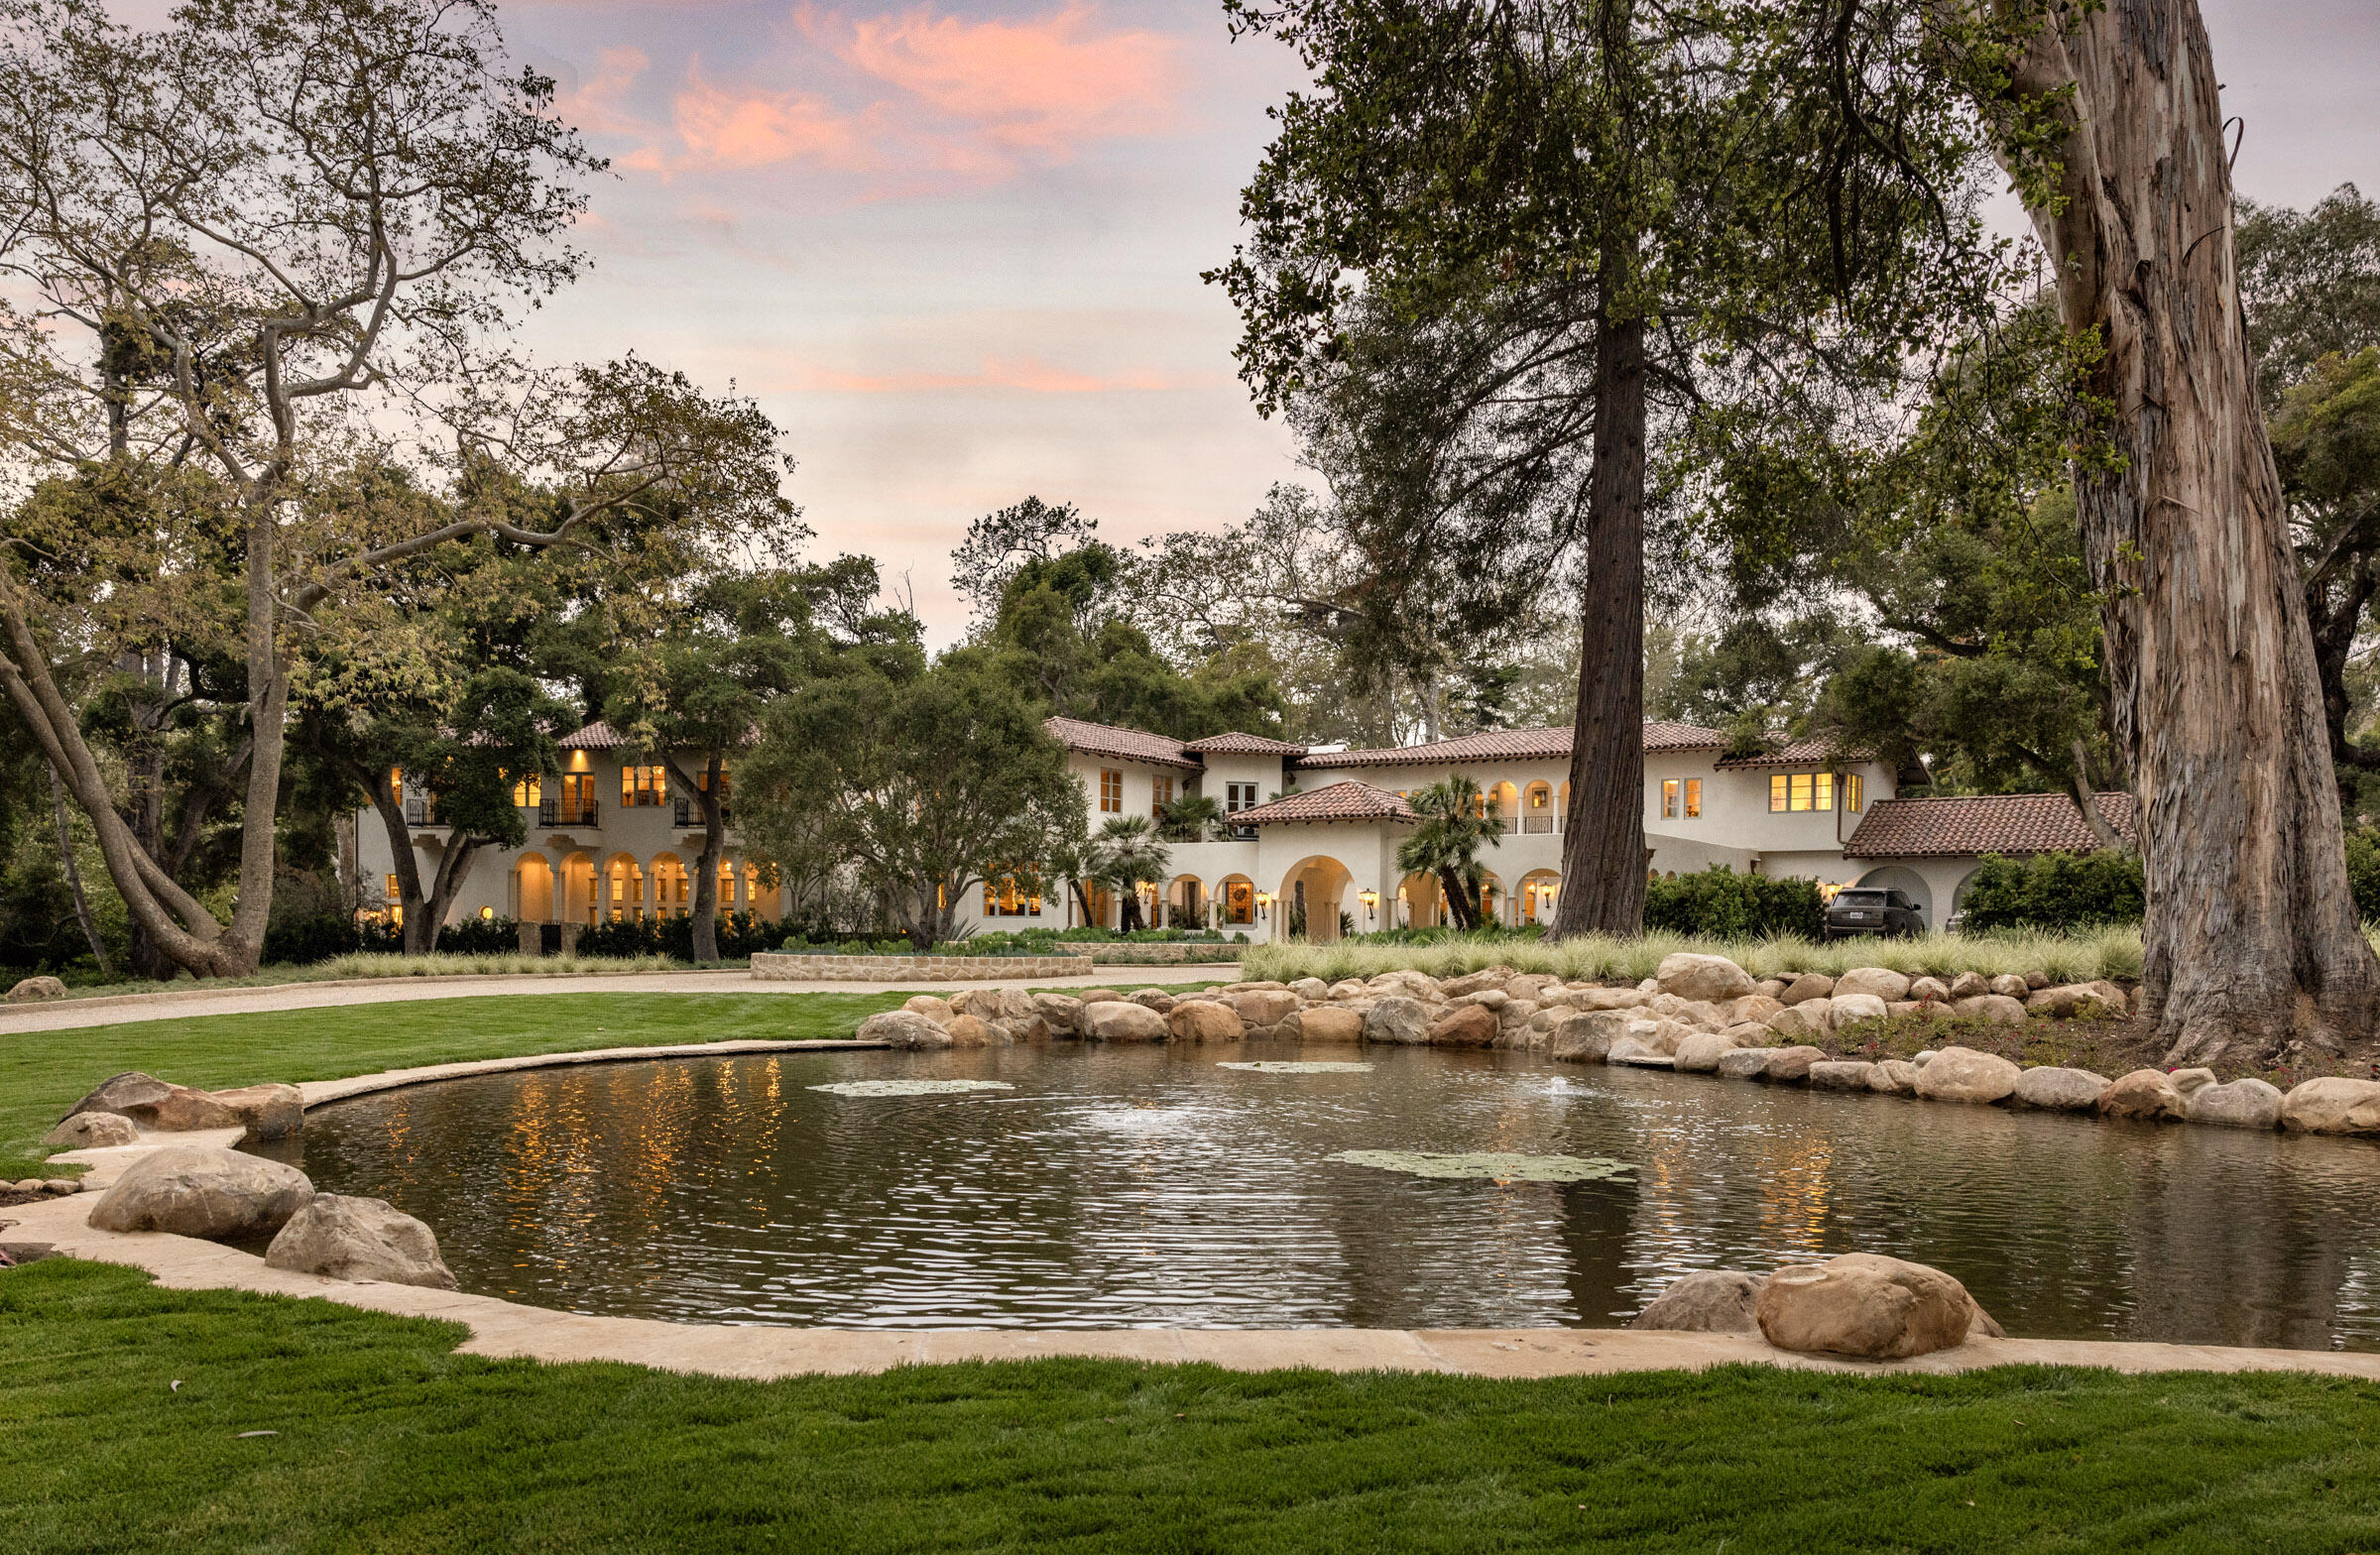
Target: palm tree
[[1188, 818], [1126, 851], [1454, 819]]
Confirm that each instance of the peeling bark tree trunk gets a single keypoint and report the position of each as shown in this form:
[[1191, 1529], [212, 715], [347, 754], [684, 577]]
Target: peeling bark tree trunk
[[1602, 846], [2251, 932]]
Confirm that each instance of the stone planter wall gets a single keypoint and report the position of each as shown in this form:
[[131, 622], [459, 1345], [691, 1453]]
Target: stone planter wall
[[771, 965], [1158, 953]]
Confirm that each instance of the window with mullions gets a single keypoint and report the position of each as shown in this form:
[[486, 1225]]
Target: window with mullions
[[1111, 791], [643, 786]]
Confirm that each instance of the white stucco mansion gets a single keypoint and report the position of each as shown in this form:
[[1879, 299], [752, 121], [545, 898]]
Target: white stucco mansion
[[1310, 835]]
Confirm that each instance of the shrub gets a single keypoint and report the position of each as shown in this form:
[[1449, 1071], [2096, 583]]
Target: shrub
[[2054, 892], [2363, 873], [1719, 904]]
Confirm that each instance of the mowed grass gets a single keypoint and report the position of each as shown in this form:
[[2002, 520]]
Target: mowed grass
[[389, 1440], [43, 1073]]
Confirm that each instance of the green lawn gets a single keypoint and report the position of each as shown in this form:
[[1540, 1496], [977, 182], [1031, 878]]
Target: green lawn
[[387, 1440], [42, 1073]]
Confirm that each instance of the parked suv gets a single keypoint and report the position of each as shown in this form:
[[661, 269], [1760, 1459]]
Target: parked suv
[[1871, 909]]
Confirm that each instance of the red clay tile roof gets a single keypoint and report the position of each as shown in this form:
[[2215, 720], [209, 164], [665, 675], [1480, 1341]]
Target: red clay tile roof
[[597, 736], [1801, 752], [1985, 823], [1237, 744], [1509, 745], [1124, 744], [1345, 801]]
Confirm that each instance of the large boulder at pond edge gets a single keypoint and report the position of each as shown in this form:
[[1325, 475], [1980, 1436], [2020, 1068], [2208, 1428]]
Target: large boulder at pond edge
[[359, 1239], [1707, 1301], [1701, 1052], [1396, 1021], [1791, 1065], [1712, 978], [1864, 1305], [270, 1112], [1880, 983], [931, 1006], [202, 1190], [1328, 1024], [1262, 1007], [92, 1132], [1839, 1074], [1468, 1025], [1121, 1021], [1961, 1074], [1892, 1077], [2243, 1104], [2332, 1105], [904, 1029], [2144, 1094], [1742, 1063], [1204, 1021], [968, 1031], [1061, 1012], [154, 1104], [34, 989], [1587, 1037], [2057, 1089]]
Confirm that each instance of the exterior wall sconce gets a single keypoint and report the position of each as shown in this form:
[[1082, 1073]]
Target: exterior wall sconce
[[1371, 902]]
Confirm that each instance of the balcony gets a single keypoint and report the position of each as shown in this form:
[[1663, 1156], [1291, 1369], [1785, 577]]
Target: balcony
[[419, 811], [585, 813], [690, 814], [1536, 824]]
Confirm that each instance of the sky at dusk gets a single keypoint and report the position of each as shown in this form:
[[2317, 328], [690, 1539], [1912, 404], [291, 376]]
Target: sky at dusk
[[954, 249]]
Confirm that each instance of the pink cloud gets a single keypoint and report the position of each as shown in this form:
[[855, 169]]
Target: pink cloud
[[1046, 83], [747, 127], [1027, 374]]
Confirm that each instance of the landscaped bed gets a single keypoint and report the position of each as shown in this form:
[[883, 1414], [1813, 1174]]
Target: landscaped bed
[[382, 1437]]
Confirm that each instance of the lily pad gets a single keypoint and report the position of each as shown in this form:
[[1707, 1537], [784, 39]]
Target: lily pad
[[1298, 1066], [912, 1087], [1491, 1165]]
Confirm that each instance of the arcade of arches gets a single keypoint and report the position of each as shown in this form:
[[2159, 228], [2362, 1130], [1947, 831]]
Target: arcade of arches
[[586, 889], [1318, 899]]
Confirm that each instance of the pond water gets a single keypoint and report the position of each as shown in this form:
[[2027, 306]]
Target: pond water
[[1109, 1188]]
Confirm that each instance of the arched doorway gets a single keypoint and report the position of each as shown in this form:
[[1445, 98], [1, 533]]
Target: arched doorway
[[1492, 907], [672, 896], [727, 887], [1236, 901], [1538, 890], [1419, 903], [1313, 895], [533, 890], [579, 889], [624, 895], [1185, 903], [1893, 876]]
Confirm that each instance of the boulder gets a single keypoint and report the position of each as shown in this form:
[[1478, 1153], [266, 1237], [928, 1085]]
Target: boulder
[[2037, 981], [1701, 1052], [1465, 1026], [202, 1190], [186, 1109], [1154, 999], [1892, 1077], [2191, 1081], [2332, 1105], [2072, 999], [1961, 1074], [969, 1030], [1850, 1009], [269, 1112], [1756, 1008], [33, 990], [1771, 987], [360, 1238], [1121, 1020], [1310, 989], [1999, 1009], [1630, 1048], [1744, 1063], [1263, 1007], [1533, 984], [1406, 982], [1806, 986], [2243, 1104], [1864, 1305], [1328, 1024], [933, 1007], [1712, 978], [1348, 988], [1095, 995], [1587, 1037], [2012, 984], [1884, 982], [1810, 1017], [2144, 1094], [129, 1094], [1707, 1301], [2057, 1090], [1484, 998], [1750, 1035], [1928, 990], [92, 1132], [1477, 982], [1397, 1021], [1607, 998], [1791, 1065], [1203, 1021], [1970, 985], [1062, 1013], [904, 1029], [1835, 1074]]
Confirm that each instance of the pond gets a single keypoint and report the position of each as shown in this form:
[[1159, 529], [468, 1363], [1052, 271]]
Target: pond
[[1110, 1187]]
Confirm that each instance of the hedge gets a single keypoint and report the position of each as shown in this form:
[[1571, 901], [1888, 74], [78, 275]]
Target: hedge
[[2054, 892], [1719, 904]]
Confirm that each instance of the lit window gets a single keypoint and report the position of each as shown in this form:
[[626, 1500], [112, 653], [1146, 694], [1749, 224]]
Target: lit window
[[1801, 791], [1160, 795], [1776, 792], [1853, 792], [1669, 798], [528, 793], [1694, 797], [1111, 791], [393, 891], [1826, 791], [643, 786], [397, 785]]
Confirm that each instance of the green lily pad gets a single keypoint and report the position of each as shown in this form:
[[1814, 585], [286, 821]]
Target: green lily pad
[[1491, 1165], [1300, 1066], [912, 1087]]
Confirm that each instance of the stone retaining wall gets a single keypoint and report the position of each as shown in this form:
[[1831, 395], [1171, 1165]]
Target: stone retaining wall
[[770, 965], [1161, 953]]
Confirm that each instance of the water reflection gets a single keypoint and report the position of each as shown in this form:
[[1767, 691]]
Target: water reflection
[[1146, 1186]]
